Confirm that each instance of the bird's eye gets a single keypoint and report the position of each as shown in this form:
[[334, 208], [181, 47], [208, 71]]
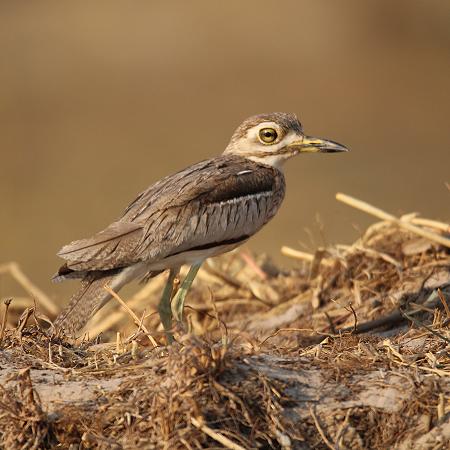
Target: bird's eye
[[268, 135]]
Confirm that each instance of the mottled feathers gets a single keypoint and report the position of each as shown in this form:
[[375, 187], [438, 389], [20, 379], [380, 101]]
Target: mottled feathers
[[225, 198]]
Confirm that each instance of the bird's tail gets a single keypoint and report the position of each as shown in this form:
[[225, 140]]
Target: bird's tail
[[85, 302]]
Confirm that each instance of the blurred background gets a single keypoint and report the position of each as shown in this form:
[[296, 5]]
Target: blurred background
[[100, 99]]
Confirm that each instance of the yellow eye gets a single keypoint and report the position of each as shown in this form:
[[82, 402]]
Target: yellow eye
[[268, 135]]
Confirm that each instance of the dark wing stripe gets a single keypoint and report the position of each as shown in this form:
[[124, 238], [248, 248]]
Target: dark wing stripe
[[236, 186], [212, 245]]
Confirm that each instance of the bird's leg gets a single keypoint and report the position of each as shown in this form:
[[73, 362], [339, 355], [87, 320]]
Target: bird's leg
[[164, 309], [178, 300]]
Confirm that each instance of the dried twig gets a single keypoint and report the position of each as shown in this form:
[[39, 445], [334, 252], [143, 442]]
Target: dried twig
[[349, 308], [297, 254], [105, 319], [444, 302], [132, 314], [250, 261], [228, 443], [284, 330], [342, 429], [7, 302], [442, 226], [377, 212], [393, 318], [371, 252], [113, 318], [330, 323], [304, 256], [319, 429], [14, 270], [355, 318], [23, 320], [222, 276], [390, 319], [420, 324]]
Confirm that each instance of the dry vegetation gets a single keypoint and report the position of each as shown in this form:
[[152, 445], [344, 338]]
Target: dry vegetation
[[350, 350]]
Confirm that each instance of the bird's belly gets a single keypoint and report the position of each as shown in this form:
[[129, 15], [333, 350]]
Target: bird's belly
[[190, 257]]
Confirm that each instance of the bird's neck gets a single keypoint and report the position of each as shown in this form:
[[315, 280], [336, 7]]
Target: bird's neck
[[276, 161]]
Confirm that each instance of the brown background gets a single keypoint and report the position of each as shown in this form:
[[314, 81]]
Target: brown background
[[100, 99]]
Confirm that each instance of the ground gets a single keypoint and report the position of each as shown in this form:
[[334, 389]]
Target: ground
[[349, 350]]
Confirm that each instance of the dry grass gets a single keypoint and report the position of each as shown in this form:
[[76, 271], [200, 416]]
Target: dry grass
[[349, 350]]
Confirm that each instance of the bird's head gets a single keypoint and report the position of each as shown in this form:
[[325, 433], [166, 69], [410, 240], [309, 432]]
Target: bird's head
[[275, 137]]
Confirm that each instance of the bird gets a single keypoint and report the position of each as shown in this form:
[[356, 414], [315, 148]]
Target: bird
[[207, 209]]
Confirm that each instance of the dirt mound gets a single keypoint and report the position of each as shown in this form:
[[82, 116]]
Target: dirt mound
[[348, 350]]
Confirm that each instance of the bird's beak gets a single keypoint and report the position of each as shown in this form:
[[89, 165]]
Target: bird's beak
[[311, 144]]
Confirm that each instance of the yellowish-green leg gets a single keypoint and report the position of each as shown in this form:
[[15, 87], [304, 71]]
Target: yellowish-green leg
[[178, 300], [164, 308]]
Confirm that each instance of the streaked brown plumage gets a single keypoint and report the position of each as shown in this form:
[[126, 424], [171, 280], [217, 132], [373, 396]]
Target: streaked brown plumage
[[204, 210]]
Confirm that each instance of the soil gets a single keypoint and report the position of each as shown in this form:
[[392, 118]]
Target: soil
[[350, 350]]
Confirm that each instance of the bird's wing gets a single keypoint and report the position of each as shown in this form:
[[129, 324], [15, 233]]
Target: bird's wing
[[106, 250], [223, 200], [116, 245], [219, 200]]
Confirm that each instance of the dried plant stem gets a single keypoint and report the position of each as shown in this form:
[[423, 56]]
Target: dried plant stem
[[21, 303], [420, 324], [319, 429], [370, 252], [441, 406], [228, 443], [113, 318], [222, 276], [250, 261], [284, 330], [303, 256], [7, 302], [342, 429], [297, 254], [105, 319], [444, 302], [355, 317], [14, 270], [377, 212], [132, 314], [442, 226]]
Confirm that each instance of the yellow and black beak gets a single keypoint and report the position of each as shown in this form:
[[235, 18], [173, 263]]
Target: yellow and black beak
[[311, 144]]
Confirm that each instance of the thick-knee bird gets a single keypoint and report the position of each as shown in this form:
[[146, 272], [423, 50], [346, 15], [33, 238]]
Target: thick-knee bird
[[205, 210]]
